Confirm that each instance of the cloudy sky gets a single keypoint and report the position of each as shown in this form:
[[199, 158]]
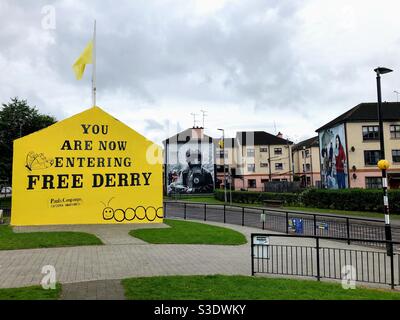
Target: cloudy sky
[[289, 66]]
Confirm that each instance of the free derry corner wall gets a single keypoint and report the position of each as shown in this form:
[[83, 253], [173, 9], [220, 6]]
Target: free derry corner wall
[[87, 169]]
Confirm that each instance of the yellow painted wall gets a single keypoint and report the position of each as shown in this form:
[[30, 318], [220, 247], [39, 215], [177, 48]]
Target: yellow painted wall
[[49, 189], [356, 157], [355, 139]]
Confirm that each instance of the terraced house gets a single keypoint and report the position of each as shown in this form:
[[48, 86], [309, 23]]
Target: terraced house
[[262, 157], [306, 162], [350, 150]]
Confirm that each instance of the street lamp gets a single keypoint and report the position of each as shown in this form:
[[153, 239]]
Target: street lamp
[[305, 167], [223, 152], [383, 164]]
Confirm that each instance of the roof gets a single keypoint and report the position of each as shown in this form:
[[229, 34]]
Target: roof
[[311, 142], [260, 138], [196, 133], [367, 111]]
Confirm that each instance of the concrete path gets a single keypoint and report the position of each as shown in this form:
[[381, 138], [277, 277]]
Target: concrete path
[[112, 234], [93, 290], [117, 261], [95, 265]]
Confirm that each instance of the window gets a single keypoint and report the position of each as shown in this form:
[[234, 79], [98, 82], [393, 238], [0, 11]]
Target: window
[[396, 155], [250, 152], [370, 132], [278, 166], [278, 151], [263, 164], [395, 131], [308, 167], [252, 183], [263, 149], [306, 152], [251, 167], [373, 182], [371, 157]]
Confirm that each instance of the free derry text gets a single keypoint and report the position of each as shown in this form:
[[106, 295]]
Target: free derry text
[[95, 180]]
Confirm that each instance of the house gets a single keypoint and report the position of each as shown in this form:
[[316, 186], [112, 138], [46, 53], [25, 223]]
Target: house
[[226, 154], [261, 157], [189, 162], [306, 162], [350, 149]]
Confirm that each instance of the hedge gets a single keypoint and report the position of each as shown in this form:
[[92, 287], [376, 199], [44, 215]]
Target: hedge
[[344, 199], [258, 197], [350, 199]]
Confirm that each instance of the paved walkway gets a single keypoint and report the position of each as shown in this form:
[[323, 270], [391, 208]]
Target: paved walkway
[[93, 290], [122, 258], [111, 234], [117, 261]]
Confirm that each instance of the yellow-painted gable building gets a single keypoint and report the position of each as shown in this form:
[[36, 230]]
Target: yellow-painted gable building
[[87, 169]]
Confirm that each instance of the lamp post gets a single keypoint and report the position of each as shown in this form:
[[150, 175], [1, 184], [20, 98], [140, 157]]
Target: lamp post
[[383, 164], [305, 167], [223, 152]]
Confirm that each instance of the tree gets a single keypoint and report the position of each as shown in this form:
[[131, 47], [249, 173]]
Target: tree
[[17, 119]]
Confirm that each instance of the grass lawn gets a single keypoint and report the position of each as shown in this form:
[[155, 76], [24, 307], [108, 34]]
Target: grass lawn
[[10, 240], [187, 232], [30, 293], [243, 287]]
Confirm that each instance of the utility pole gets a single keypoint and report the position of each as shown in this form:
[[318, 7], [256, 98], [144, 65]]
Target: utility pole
[[194, 119], [204, 112]]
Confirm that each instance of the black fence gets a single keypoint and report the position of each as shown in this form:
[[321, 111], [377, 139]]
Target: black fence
[[289, 222], [320, 257]]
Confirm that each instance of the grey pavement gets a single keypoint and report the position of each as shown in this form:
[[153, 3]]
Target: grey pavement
[[110, 234], [93, 290], [122, 259]]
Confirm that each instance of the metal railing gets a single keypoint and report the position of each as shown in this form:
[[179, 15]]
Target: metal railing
[[311, 258], [286, 221]]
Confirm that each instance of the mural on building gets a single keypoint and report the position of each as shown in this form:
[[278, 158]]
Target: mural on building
[[333, 158], [87, 169], [190, 167]]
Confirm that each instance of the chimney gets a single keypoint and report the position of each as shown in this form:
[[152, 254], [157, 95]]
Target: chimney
[[197, 133], [280, 135]]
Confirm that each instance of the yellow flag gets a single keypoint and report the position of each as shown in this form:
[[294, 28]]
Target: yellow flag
[[85, 58], [221, 143]]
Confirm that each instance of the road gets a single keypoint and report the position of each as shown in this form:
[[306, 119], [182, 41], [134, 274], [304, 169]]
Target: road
[[276, 220]]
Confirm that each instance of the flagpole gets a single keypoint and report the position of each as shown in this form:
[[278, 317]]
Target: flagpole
[[94, 67]]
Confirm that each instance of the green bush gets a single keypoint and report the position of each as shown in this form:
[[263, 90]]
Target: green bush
[[344, 199], [258, 197], [350, 199]]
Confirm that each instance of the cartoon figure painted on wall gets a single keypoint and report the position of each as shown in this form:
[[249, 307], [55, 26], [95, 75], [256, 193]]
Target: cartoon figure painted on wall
[[130, 214]]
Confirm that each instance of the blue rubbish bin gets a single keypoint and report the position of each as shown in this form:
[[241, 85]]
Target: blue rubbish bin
[[298, 225]]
